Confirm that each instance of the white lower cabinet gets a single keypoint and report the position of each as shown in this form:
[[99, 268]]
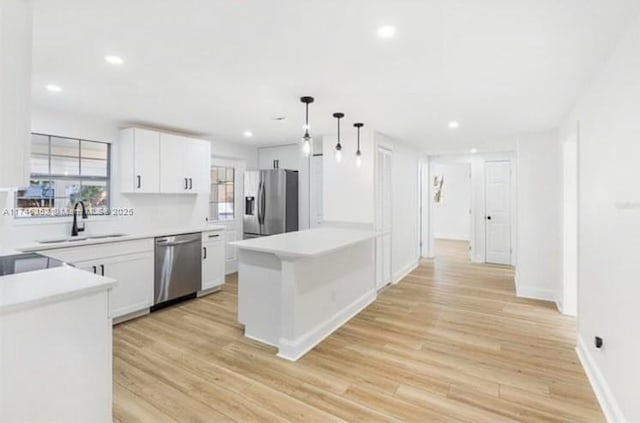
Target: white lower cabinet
[[134, 273], [213, 259], [130, 263]]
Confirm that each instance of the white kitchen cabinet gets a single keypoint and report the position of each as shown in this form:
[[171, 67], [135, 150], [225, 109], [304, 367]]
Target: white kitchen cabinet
[[198, 161], [139, 161], [15, 93], [173, 176], [134, 273], [130, 263], [213, 259]]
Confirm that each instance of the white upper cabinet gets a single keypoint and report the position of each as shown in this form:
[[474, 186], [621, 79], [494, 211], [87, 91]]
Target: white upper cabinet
[[173, 179], [170, 164], [15, 93], [139, 161], [198, 161]]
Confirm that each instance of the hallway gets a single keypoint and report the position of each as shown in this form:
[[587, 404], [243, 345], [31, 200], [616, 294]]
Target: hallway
[[450, 342]]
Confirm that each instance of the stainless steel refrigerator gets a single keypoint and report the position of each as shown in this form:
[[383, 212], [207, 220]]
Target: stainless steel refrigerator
[[270, 202]]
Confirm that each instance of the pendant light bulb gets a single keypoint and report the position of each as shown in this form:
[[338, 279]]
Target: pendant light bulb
[[358, 159], [338, 155], [306, 148], [306, 138]]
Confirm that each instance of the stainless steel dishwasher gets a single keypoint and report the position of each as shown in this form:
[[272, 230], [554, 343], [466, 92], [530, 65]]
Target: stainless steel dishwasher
[[178, 267]]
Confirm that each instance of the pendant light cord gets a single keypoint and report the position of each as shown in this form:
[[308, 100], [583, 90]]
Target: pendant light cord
[[306, 119]]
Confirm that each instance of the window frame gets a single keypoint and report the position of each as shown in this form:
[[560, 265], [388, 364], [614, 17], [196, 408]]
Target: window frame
[[80, 178], [224, 184]]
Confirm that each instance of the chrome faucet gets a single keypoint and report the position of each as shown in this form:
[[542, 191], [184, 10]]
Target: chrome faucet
[[75, 229]]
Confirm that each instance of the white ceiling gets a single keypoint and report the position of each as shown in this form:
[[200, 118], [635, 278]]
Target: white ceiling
[[220, 67]]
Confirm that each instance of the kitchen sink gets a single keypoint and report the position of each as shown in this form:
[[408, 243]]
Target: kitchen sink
[[106, 236], [79, 239], [60, 241]]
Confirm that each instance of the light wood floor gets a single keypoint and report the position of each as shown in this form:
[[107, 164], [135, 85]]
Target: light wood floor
[[451, 342]]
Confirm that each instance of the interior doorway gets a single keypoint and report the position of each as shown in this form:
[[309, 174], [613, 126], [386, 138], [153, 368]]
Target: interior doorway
[[451, 207]]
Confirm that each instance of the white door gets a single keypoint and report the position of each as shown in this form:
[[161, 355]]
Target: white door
[[383, 217], [315, 191], [146, 157], [498, 212], [230, 210]]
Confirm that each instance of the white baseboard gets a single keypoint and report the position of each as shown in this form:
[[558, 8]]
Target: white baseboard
[[402, 273], [535, 293], [558, 305], [607, 400], [451, 237], [292, 350]]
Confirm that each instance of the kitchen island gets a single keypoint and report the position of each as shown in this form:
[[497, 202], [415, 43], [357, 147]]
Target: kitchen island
[[295, 289], [55, 346]]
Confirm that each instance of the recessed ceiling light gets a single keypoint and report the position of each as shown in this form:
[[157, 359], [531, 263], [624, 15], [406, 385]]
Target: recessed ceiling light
[[247, 134], [279, 118], [53, 88], [386, 31], [473, 151], [453, 124], [114, 60]]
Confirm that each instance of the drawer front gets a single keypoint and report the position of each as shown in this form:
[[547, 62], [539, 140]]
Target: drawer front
[[89, 252], [210, 237]]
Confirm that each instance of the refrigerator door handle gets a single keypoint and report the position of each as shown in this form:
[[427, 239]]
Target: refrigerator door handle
[[263, 203], [258, 205]]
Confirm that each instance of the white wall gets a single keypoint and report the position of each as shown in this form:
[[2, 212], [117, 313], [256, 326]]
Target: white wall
[[290, 157], [348, 190], [540, 189], [568, 301], [609, 228], [451, 218], [150, 211]]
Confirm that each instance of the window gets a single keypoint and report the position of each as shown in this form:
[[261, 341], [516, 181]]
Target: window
[[221, 204], [64, 171]]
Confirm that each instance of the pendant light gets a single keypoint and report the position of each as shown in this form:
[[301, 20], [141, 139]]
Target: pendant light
[[338, 145], [306, 138], [358, 153]]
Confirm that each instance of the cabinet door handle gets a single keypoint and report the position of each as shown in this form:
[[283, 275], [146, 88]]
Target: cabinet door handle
[[190, 183], [139, 178], [205, 252], [95, 269], [102, 269], [214, 236], [186, 183]]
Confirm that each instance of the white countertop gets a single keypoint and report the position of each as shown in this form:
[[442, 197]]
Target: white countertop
[[307, 243], [30, 289], [7, 252], [84, 239]]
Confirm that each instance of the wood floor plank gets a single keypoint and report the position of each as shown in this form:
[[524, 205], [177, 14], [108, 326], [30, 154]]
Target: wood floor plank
[[451, 343]]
